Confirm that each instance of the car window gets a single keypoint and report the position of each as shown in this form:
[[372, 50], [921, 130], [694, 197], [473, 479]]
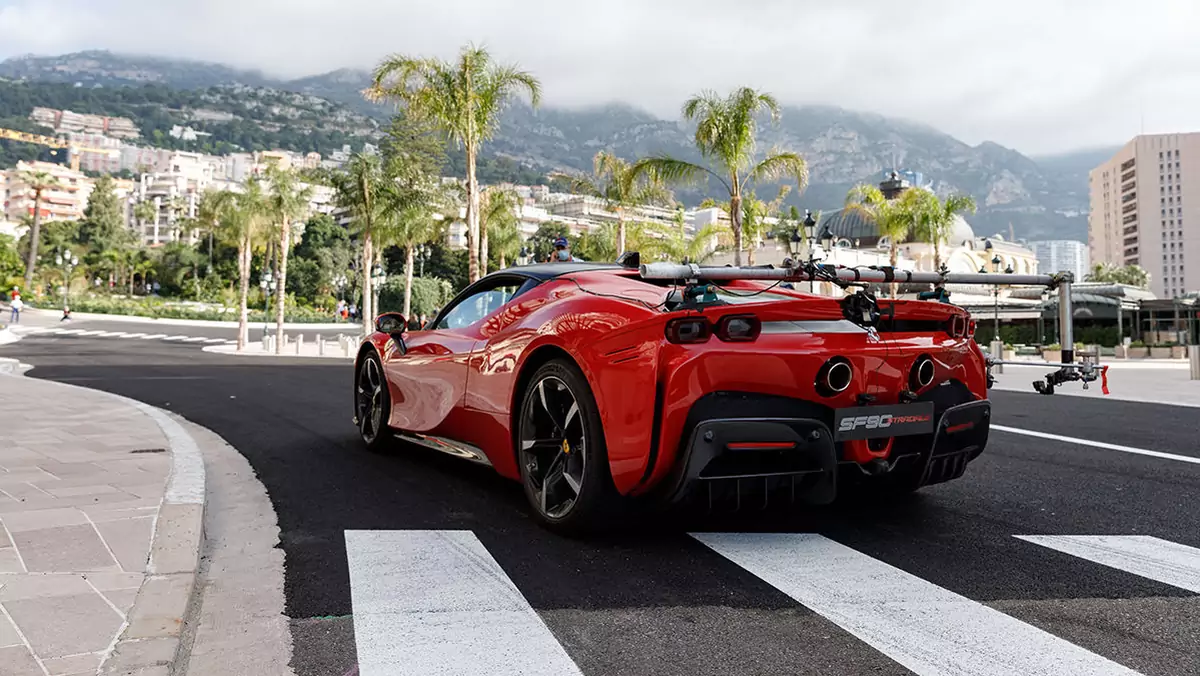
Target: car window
[[477, 306]]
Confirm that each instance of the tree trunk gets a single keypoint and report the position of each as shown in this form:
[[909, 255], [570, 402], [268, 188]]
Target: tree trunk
[[35, 232], [735, 221], [364, 310], [620, 233], [937, 255], [483, 249], [408, 280], [472, 216], [243, 292], [892, 255], [503, 261], [285, 244]]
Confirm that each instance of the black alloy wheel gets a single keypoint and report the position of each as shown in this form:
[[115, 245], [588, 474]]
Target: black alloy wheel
[[371, 403], [561, 452]]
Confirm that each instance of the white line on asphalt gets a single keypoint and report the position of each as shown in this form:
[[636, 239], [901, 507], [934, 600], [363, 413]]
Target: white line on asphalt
[[91, 333], [68, 332], [924, 627], [193, 340], [175, 338], [154, 335], [216, 340], [437, 601], [1149, 557], [1099, 444], [109, 334]]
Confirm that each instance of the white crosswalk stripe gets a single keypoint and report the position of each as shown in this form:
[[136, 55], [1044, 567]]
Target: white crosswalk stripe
[[70, 332], [1149, 557], [154, 336], [439, 600], [216, 340], [175, 338], [109, 334], [927, 629], [193, 340], [90, 333]]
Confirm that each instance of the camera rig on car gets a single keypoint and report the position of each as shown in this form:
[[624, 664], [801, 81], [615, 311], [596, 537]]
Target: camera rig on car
[[861, 307]]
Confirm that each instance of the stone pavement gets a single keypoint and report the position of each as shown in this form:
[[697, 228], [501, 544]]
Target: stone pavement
[[101, 502]]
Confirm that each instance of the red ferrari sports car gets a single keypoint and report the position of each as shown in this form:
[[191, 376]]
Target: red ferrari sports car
[[594, 387]]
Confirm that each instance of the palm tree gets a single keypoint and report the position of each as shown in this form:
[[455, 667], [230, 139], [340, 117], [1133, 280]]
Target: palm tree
[[894, 219], [242, 220], [754, 216], [507, 240], [615, 182], [359, 190], [287, 202], [725, 135], [213, 204], [39, 182], [498, 210], [144, 212], [464, 99], [409, 225], [936, 219]]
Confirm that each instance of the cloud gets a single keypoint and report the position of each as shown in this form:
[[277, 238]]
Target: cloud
[[1041, 76]]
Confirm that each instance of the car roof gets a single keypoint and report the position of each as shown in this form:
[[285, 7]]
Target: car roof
[[544, 271]]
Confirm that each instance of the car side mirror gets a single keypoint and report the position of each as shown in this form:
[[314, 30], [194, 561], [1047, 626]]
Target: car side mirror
[[391, 323]]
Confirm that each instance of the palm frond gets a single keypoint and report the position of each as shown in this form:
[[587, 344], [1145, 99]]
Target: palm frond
[[779, 165], [670, 170]]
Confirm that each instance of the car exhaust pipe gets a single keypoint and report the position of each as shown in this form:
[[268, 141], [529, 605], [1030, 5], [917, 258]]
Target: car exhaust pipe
[[922, 373], [834, 377]]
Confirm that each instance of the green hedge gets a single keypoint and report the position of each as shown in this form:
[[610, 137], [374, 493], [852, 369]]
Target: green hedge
[[162, 309]]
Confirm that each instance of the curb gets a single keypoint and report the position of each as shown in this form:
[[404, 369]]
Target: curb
[[231, 350], [152, 640]]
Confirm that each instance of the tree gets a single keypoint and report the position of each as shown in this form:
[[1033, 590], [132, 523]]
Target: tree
[[10, 260], [894, 219], [243, 222], [287, 202], [936, 218], [725, 136], [754, 216], [506, 242], [1132, 275], [498, 210], [359, 187], [38, 182], [103, 220], [614, 181], [213, 204], [463, 99], [143, 213]]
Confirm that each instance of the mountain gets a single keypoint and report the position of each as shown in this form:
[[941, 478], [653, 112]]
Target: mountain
[[1039, 197]]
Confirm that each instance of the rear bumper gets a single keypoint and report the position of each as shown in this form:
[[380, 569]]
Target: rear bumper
[[796, 459]]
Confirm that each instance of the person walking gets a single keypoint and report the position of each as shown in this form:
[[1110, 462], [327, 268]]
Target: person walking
[[17, 306]]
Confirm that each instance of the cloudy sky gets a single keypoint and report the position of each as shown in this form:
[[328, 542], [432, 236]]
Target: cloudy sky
[[1041, 76]]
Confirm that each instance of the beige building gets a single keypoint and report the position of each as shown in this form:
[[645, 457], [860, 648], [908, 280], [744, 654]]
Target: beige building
[[1145, 210], [64, 202]]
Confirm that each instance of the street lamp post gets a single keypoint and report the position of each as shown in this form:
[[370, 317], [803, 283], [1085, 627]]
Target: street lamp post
[[424, 251], [378, 278], [523, 259], [68, 261]]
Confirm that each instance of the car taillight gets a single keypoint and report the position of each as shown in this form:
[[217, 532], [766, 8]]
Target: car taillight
[[738, 328], [958, 326], [688, 330], [971, 328]]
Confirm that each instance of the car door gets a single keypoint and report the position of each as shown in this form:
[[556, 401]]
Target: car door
[[429, 378]]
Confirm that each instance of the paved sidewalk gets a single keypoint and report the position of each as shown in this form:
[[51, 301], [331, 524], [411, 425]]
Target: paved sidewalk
[[101, 502], [1149, 382]]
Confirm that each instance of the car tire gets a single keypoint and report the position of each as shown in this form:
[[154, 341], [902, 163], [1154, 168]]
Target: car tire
[[372, 401], [559, 437]]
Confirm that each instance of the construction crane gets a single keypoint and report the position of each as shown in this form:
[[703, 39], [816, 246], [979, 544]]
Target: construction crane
[[73, 149]]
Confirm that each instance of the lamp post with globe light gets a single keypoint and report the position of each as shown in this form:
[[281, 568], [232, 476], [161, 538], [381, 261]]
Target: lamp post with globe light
[[267, 283], [68, 261]]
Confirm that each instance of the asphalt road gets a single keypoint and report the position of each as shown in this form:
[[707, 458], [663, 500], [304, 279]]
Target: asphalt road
[[654, 600]]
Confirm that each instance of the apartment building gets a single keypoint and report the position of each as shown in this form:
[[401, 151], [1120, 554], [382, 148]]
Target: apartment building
[[1145, 210], [69, 121], [65, 201], [1062, 255]]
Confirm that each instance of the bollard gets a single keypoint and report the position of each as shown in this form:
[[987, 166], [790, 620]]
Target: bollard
[[266, 342], [320, 345], [299, 343], [997, 350], [346, 349], [1194, 361]]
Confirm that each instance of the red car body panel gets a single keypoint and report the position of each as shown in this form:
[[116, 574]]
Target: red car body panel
[[462, 384]]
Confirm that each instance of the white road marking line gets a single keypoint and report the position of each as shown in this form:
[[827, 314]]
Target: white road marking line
[[924, 627], [1099, 444], [175, 338], [216, 340], [1149, 557], [109, 334], [438, 601], [154, 335], [131, 335], [193, 340], [230, 342], [91, 333], [69, 332]]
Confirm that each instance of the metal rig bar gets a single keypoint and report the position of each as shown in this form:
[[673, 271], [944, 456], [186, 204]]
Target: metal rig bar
[[884, 275], [881, 275]]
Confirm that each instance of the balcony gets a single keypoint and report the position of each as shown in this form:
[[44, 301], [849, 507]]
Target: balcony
[[1128, 164], [1127, 198], [1128, 186], [1129, 208], [1131, 218]]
